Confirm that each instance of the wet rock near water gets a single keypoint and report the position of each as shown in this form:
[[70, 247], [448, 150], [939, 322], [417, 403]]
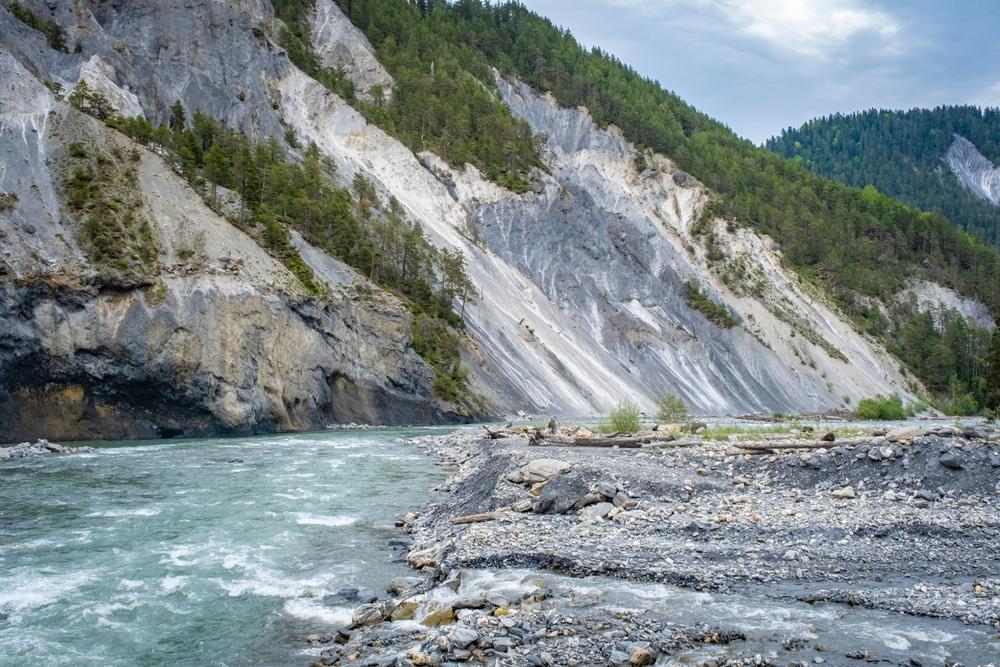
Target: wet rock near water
[[38, 448]]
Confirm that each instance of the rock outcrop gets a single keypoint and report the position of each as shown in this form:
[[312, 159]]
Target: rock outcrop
[[973, 170], [341, 46]]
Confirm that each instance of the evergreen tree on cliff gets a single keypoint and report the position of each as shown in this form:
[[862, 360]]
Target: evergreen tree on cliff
[[992, 388]]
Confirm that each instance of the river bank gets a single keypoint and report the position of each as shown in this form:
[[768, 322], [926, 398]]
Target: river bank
[[897, 534]]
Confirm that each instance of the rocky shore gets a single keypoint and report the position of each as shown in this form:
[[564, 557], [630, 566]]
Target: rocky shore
[[901, 521], [38, 448]]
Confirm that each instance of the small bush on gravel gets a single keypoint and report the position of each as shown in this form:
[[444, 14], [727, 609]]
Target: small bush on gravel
[[881, 407], [672, 409], [623, 419]]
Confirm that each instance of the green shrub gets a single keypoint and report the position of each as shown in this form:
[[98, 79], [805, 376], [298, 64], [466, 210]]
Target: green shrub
[[54, 33], [8, 200], [623, 419], [881, 407], [716, 313], [672, 409]]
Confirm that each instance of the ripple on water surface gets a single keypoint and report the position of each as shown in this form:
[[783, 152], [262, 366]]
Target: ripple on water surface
[[198, 552]]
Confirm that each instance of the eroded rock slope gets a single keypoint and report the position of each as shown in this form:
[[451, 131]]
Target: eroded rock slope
[[581, 300]]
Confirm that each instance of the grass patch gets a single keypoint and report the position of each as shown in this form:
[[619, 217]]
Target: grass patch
[[716, 313]]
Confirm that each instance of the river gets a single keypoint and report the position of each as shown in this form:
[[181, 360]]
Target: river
[[198, 552]]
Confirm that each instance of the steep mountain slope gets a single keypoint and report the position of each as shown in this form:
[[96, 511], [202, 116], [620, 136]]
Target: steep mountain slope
[[604, 276], [940, 160]]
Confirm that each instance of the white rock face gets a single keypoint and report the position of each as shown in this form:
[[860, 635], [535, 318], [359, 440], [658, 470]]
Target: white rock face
[[973, 170], [99, 76], [934, 297], [340, 45], [580, 302], [31, 229]]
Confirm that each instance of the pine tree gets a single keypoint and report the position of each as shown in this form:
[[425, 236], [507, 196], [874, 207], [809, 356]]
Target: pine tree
[[178, 119], [991, 381]]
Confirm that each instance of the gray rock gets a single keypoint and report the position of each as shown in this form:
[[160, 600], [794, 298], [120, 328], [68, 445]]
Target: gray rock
[[366, 597], [904, 433], [368, 614], [683, 179], [462, 637], [540, 470], [606, 489], [951, 460], [622, 500], [561, 493], [502, 644], [400, 585], [522, 505], [597, 511], [470, 602]]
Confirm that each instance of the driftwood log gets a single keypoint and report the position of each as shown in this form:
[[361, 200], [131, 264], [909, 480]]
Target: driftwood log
[[624, 442], [768, 446], [494, 435], [479, 518]]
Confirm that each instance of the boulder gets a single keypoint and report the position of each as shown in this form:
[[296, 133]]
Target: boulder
[[904, 433], [683, 179], [462, 637], [522, 505], [846, 493], [641, 656], [400, 585], [595, 512], [437, 618], [405, 611], [561, 493], [951, 460], [368, 614], [540, 470], [624, 501], [606, 489], [469, 602], [422, 558]]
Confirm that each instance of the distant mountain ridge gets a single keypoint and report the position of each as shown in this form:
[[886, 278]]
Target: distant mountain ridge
[[941, 160]]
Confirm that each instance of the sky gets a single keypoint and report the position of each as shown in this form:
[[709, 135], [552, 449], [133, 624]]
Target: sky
[[763, 65]]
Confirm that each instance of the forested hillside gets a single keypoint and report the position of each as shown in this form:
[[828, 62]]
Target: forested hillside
[[856, 244], [902, 153]]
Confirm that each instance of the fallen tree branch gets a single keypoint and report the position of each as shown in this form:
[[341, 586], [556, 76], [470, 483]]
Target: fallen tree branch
[[479, 518]]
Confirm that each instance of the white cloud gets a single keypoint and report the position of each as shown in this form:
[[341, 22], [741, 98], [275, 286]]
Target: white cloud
[[813, 28], [809, 28], [988, 96]]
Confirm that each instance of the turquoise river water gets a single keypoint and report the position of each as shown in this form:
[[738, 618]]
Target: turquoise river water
[[198, 552]]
